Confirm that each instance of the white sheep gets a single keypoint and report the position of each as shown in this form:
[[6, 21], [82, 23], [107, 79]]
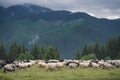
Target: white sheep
[[94, 65], [9, 67], [101, 63], [73, 65], [107, 65], [24, 65], [84, 64], [42, 64], [60, 64], [51, 66]]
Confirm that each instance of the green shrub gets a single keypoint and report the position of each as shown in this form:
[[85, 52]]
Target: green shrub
[[89, 56], [25, 56]]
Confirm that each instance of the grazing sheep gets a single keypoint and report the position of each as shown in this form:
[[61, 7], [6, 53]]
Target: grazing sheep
[[84, 64], [53, 61], [73, 65], [60, 64], [107, 65], [24, 65], [94, 65], [101, 63], [75, 61], [51, 66], [117, 64], [42, 64], [33, 61], [9, 67]]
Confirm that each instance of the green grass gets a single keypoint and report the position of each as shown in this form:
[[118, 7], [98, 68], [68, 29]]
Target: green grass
[[35, 73]]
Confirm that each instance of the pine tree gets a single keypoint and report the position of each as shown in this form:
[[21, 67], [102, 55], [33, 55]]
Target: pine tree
[[112, 48], [3, 54], [14, 51], [23, 49], [96, 49], [43, 52], [118, 48], [78, 55], [90, 49], [57, 56], [35, 51], [102, 53], [85, 50]]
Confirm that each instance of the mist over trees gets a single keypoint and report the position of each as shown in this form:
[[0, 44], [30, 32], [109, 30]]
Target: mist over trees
[[110, 50]]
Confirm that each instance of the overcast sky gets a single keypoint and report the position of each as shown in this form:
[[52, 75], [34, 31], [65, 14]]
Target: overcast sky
[[99, 8]]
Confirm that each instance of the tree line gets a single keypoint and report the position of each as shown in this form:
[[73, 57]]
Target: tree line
[[110, 50], [20, 52]]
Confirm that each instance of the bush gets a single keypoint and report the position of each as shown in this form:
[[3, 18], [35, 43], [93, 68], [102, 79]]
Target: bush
[[107, 58], [89, 56], [25, 56]]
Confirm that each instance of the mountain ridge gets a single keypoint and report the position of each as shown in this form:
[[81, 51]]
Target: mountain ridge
[[66, 30]]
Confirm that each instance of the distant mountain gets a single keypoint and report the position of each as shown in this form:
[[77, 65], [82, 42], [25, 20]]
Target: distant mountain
[[68, 31], [117, 19], [21, 11]]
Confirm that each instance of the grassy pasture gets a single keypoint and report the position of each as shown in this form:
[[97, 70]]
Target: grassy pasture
[[35, 73]]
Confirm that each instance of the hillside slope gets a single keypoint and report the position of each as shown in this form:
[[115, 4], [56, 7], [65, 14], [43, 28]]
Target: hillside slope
[[66, 30]]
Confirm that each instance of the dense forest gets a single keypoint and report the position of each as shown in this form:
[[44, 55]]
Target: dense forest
[[20, 52], [110, 50]]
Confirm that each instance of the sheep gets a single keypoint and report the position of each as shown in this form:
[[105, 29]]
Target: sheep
[[9, 67], [94, 65], [84, 64], [117, 64], [24, 65], [42, 64], [33, 61], [73, 65], [60, 64], [51, 66], [101, 63], [107, 65], [75, 61], [53, 61]]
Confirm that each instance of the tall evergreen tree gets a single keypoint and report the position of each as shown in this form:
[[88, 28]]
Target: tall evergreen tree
[[90, 49], [102, 53], [35, 51], [112, 48], [85, 50], [78, 55], [3, 54], [43, 52], [118, 50], [14, 51], [24, 49], [96, 49]]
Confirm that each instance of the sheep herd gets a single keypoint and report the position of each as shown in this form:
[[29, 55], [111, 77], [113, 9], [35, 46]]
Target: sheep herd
[[51, 65]]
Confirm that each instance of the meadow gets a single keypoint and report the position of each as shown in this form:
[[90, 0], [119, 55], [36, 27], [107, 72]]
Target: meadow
[[36, 73]]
